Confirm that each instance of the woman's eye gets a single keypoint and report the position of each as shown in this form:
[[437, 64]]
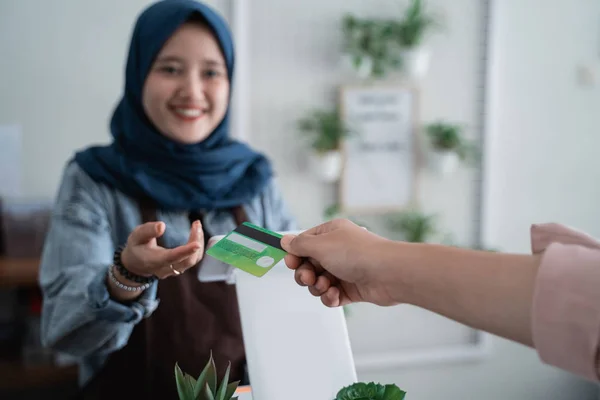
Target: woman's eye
[[169, 70], [211, 73]]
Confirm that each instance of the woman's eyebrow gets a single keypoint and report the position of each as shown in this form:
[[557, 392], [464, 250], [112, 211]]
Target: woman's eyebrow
[[213, 63], [208, 61], [170, 59]]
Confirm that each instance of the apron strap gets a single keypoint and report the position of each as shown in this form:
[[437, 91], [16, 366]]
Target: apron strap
[[239, 214], [148, 214]]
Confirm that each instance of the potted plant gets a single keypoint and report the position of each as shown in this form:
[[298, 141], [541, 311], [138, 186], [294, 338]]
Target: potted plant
[[370, 391], [409, 34], [448, 146], [413, 225], [367, 46], [206, 387], [327, 131]]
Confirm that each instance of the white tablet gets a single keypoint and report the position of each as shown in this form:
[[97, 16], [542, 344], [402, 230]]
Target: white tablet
[[213, 270]]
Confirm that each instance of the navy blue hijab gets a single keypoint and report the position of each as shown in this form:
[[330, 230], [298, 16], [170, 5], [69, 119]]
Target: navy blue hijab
[[141, 162]]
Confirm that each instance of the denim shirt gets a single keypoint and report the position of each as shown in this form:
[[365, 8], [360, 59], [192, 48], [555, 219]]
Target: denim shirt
[[90, 220]]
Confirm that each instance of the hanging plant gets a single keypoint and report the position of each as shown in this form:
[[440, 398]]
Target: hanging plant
[[449, 138], [367, 44], [410, 31], [326, 131]]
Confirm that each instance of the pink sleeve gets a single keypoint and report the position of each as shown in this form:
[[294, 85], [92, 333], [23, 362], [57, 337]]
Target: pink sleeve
[[566, 301]]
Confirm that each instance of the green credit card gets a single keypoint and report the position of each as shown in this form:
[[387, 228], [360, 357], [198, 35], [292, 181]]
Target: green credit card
[[250, 248]]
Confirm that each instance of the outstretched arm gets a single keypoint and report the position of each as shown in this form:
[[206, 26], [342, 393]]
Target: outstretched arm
[[549, 300]]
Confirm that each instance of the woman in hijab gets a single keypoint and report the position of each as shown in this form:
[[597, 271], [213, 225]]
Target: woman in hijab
[[133, 216]]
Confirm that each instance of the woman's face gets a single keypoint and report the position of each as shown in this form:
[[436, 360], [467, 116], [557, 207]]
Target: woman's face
[[186, 92]]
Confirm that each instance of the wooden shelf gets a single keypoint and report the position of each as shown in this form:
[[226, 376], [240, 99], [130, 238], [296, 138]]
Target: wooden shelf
[[19, 271], [13, 375]]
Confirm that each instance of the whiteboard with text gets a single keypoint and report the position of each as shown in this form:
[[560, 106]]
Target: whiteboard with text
[[380, 156]]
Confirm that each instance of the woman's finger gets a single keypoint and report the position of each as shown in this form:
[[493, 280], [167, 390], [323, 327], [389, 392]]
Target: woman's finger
[[173, 256], [197, 234], [144, 233]]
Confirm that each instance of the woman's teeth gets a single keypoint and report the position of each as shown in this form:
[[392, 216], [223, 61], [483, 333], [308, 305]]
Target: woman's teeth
[[189, 112]]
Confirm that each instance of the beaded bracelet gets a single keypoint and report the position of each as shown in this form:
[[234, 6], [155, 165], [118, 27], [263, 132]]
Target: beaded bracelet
[[123, 286], [127, 274]]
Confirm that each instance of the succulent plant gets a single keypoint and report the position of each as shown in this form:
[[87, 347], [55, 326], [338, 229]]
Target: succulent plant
[[370, 391], [205, 387]]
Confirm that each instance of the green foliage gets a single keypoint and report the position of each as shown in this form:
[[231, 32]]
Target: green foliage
[[205, 387], [369, 39], [370, 391], [414, 226], [379, 40], [410, 31], [326, 128], [449, 137]]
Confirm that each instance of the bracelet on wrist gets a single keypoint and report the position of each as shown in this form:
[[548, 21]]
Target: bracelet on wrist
[[128, 274], [123, 286]]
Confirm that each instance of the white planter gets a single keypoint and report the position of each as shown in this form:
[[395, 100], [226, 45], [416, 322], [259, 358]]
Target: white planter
[[364, 69], [415, 62], [444, 162], [327, 166]]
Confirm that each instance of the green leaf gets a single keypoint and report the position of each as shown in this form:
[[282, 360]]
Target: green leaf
[[191, 381], [393, 392], [211, 376], [325, 128], [231, 388], [202, 378], [370, 391], [208, 393], [184, 389], [223, 389]]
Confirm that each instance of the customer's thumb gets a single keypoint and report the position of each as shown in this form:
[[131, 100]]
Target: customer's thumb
[[298, 245]]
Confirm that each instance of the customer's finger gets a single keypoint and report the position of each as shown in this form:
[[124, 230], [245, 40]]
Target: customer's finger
[[302, 245], [332, 298], [322, 284], [292, 261], [305, 274]]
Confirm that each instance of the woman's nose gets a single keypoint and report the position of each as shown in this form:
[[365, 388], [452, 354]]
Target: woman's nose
[[192, 89]]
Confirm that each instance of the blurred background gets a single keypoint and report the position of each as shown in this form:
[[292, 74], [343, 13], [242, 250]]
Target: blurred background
[[498, 130]]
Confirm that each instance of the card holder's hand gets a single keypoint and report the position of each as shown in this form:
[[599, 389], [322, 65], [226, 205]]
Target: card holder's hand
[[338, 261]]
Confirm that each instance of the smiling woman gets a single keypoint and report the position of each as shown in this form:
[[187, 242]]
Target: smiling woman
[[132, 217], [187, 90]]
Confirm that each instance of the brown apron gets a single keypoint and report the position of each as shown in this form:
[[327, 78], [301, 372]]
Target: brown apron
[[192, 319]]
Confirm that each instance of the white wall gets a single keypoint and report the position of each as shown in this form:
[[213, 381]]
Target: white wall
[[61, 74], [542, 151]]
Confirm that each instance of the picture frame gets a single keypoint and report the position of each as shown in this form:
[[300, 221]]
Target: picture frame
[[380, 158]]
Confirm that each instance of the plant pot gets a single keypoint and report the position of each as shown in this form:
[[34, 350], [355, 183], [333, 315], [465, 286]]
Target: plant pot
[[415, 62], [327, 166], [364, 68], [444, 162]]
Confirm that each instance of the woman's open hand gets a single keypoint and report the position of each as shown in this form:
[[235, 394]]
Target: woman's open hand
[[143, 256]]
